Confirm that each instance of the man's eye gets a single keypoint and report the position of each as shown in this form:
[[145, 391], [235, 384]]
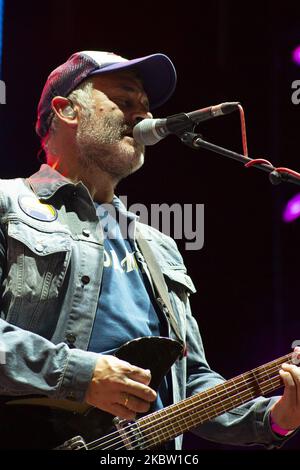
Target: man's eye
[[123, 103]]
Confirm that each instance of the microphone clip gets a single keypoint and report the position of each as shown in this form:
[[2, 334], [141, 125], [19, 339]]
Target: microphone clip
[[180, 124], [191, 139]]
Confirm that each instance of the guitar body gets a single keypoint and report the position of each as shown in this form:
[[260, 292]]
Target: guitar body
[[42, 423]]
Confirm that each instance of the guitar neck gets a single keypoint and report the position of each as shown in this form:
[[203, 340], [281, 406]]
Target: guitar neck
[[166, 424]]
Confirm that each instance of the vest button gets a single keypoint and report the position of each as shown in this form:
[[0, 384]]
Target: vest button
[[71, 338], [86, 232], [85, 279], [39, 247]]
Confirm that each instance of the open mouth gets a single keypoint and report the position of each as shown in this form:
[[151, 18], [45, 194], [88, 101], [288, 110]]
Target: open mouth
[[128, 134], [127, 131]]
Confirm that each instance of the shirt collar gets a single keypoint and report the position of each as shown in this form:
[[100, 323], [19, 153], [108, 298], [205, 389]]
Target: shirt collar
[[47, 181], [118, 204]]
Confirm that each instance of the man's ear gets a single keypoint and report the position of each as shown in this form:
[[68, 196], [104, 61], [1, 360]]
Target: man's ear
[[64, 110]]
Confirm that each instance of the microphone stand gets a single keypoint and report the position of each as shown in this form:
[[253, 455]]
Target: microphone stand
[[195, 141]]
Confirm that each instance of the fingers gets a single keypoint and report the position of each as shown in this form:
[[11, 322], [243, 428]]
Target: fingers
[[290, 375], [139, 390], [119, 385], [136, 373], [296, 356], [288, 381], [118, 410], [293, 370], [129, 411], [140, 375], [136, 382], [286, 411], [134, 404]]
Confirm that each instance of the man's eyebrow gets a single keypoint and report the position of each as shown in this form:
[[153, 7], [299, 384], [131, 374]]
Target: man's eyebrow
[[128, 88], [132, 89]]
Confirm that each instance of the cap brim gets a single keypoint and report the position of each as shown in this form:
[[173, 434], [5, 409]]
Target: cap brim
[[157, 73]]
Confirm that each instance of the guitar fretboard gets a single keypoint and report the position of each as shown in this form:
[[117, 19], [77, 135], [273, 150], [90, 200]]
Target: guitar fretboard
[[166, 424]]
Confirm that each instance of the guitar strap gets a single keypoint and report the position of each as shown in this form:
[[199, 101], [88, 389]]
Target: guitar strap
[[159, 283]]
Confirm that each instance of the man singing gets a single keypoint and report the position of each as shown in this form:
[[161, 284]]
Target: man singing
[[76, 286]]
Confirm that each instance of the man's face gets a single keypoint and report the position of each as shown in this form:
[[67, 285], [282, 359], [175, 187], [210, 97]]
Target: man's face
[[104, 137]]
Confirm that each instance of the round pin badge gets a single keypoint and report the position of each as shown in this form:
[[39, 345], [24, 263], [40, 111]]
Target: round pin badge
[[37, 209]]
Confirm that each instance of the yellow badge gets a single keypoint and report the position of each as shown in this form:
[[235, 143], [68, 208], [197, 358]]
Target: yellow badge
[[37, 209]]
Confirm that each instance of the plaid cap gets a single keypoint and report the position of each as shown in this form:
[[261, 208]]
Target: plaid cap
[[156, 71]]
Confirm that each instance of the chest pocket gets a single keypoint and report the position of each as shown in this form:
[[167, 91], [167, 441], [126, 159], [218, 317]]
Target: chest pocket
[[180, 286], [37, 263]]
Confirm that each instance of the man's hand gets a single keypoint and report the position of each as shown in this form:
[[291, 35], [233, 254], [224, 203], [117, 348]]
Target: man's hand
[[120, 388], [286, 411]]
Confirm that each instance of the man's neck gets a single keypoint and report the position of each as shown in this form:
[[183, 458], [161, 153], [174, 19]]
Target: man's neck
[[100, 184]]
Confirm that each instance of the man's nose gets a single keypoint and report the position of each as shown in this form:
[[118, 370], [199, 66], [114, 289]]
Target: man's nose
[[140, 116]]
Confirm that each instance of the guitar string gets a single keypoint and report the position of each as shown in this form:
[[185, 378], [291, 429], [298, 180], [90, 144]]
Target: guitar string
[[161, 412], [165, 427], [236, 381], [191, 421]]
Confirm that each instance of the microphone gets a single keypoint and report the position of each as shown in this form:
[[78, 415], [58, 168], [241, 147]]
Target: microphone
[[151, 131]]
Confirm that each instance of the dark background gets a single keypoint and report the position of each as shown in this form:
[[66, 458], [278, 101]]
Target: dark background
[[247, 273]]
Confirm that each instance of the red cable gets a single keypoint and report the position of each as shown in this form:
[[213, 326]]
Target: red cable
[[243, 130], [289, 171], [259, 160]]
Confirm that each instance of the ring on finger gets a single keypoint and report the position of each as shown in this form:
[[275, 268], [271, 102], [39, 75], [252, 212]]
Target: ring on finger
[[126, 400]]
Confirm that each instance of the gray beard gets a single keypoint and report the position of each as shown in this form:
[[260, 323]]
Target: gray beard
[[100, 146]]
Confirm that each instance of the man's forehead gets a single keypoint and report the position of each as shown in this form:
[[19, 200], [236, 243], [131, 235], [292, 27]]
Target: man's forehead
[[125, 81], [126, 78]]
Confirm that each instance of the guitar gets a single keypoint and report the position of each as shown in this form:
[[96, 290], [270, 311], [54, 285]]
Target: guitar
[[101, 431]]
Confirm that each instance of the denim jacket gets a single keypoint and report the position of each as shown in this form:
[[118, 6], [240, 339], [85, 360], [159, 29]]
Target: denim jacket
[[51, 268]]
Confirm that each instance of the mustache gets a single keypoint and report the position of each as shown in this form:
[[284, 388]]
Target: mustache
[[126, 129]]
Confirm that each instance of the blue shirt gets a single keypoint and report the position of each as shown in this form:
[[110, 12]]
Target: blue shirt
[[125, 309]]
